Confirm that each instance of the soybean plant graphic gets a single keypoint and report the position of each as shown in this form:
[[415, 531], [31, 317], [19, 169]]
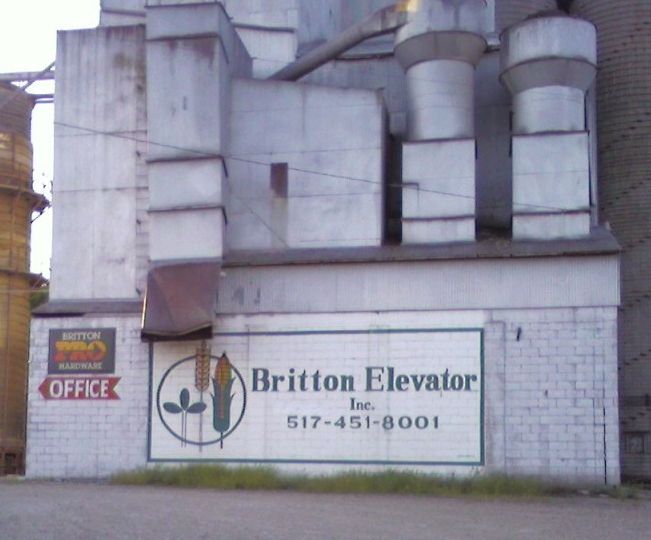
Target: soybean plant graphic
[[227, 383]]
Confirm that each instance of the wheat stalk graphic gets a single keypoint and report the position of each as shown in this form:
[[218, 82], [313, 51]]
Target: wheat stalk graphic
[[202, 379]]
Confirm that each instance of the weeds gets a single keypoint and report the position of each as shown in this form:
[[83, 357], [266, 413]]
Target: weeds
[[390, 482]]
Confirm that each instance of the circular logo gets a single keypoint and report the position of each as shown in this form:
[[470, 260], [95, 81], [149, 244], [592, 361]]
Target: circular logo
[[201, 400]]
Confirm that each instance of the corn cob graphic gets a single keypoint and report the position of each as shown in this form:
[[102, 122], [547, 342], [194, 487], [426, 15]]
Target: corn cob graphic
[[221, 399]]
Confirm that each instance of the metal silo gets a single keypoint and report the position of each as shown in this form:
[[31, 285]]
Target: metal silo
[[508, 12], [17, 201], [624, 132]]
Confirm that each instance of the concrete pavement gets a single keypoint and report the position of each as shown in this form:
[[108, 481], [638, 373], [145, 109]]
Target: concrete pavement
[[70, 511]]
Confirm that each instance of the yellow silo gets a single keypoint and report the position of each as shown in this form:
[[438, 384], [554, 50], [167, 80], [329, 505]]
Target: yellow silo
[[17, 202]]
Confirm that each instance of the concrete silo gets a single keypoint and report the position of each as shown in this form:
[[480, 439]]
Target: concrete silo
[[624, 132]]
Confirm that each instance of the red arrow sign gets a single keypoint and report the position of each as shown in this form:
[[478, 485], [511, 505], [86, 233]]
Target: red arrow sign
[[95, 388]]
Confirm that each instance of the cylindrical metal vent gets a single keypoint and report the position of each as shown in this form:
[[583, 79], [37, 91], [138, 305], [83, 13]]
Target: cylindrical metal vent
[[17, 202], [439, 48], [624, 140], [510, 12], [548, 63]]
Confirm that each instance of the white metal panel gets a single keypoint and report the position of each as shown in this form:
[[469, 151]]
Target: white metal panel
[[551, 173], [442, 285], [178, 235], [552, 226], [553, 36], [122, 12], [332, 141], [127, 5], [271, 50], [186, 183], [90, 258], [441, 100], [550, 108], [269, 13], [94, 244], [437, 231], [186, 81], [440, 177], [335, 220], [200, 19], [384, 74]]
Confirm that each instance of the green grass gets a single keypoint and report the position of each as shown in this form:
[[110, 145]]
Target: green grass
[[391, 482]]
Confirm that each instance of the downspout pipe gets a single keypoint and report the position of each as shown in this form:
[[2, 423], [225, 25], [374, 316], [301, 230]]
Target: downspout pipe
[[384, 21]]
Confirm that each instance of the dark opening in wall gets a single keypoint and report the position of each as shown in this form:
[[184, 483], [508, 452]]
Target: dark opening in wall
[[564, 5], [393, 191]]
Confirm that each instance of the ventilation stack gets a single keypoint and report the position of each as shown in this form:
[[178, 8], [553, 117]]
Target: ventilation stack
[[17, 201], [439, 48], [548, 63], [193, 53]]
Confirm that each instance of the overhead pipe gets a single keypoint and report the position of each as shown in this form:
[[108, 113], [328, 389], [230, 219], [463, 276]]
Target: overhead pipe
[[384, 21]]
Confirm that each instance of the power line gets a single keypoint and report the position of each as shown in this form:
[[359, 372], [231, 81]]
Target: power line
[[124, 135], [205, 153]]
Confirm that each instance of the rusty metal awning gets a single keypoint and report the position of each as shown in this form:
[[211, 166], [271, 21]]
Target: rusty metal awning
[[180, 301]]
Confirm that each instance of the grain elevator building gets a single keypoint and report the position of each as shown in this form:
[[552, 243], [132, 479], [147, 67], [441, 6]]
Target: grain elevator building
[[325, 235]]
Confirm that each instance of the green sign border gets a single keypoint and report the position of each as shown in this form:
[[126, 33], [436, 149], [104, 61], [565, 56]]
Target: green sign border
[[482, 449]]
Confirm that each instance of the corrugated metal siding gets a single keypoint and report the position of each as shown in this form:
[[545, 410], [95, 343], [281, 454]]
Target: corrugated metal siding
[[624, 120], [439, 285]]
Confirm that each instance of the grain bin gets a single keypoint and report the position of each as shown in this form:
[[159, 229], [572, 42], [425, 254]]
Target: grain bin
[[17, 201]]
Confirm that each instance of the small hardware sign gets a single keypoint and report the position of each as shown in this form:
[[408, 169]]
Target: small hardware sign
[[81, 351], [93, 388]]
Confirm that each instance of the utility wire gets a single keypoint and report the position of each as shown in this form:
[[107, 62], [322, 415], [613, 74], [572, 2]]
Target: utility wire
[[254, 162], [206, 153]]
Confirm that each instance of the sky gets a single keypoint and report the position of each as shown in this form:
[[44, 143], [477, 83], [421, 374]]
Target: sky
[[28, 43]]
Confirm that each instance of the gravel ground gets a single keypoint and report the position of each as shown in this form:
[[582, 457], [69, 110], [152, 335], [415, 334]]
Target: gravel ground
[[70, 511]]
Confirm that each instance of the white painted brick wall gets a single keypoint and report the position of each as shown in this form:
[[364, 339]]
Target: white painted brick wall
[[89, 438], [544, 393], [559, 376]]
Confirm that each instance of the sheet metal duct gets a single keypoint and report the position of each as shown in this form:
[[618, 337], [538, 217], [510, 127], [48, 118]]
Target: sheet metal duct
[[180, 301], [439, 48], [548, 63]]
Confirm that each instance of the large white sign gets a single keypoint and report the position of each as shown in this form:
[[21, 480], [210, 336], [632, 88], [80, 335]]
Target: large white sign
[[410, 397]]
